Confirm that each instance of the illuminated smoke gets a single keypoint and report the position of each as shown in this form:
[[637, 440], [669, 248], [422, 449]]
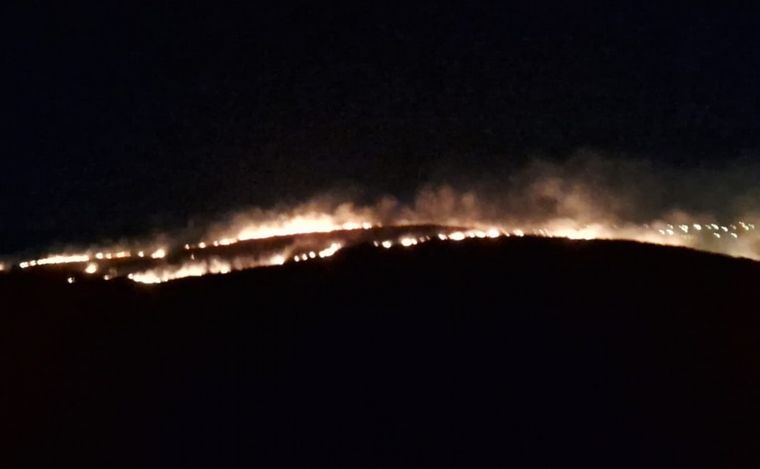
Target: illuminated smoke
[[319, 216]]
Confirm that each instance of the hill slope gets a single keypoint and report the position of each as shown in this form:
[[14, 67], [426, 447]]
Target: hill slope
[[520, 351]]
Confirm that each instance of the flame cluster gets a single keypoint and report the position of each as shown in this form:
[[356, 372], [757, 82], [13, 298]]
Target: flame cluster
[[55, 260]]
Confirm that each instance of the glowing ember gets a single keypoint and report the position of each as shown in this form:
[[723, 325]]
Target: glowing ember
[[406, 242], [457, 236], [334, 247]]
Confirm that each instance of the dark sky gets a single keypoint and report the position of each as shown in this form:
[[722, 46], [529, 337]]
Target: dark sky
[[120, 119]]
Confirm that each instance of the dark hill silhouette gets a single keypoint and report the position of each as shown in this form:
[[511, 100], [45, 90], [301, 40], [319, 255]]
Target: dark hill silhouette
[[515, 352]]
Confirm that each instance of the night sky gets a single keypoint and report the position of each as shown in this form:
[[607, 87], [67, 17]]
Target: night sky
[[120, 120]]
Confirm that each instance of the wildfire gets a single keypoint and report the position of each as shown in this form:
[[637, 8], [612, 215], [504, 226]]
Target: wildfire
[[307, 234]]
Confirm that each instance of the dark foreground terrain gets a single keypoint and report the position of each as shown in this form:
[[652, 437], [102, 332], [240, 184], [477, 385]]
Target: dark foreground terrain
[[505, 353]]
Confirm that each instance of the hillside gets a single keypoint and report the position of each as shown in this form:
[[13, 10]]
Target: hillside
[[512, 352]]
